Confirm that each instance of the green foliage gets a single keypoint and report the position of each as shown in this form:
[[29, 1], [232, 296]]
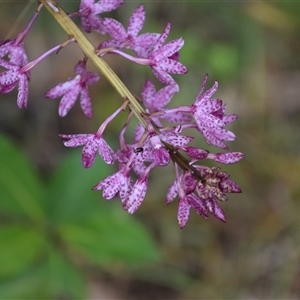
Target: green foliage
[[20, 189], [19, 247], [47, 227]]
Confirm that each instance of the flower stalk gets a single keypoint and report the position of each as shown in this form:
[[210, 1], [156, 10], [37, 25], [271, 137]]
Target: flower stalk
[[159, 136]]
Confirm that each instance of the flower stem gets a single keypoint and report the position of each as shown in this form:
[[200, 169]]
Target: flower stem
[[22, 35], [33, 63], [141, 61]]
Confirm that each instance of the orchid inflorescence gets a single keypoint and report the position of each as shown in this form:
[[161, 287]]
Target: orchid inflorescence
[[154, 143]]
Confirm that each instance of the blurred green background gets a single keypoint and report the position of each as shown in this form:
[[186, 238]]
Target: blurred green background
[[60, 240]]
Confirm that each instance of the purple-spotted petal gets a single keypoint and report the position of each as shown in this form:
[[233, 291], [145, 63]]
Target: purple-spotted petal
[[215, 209], [161, 157], [4, 89], [144, 43], [163, 37], [137, 195], [106, 5], [126, 186], [195, 153], [183, 212], [197, 205], [209, 106], [115, 29], [169, 49], [89, 18], [176, 139], [86, 3], [172, 192], [148, 93], [9, 78], [5, 47], [76, 140], [163, 97], [164, 77], [106, 153], [91, 78], [23, 92], [208, 94], [227, 119], [189, 184], [228, 186], [89, 153], [68, 101], [136, 21], [62, 88], [16, 52], [227, 158], [172, 66], [85, 103], [109, 185]]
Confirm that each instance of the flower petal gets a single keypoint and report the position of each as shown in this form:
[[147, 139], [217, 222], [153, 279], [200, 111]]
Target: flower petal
[[228, 186], [164, 77], [143, 44], [89, 153], [172, 192], [136, 21], [23, 91], [106, 153], [137, 195], [183, 212], [197, 205], [163, 96], [9, 78], [68, 101], [109, 185], [62, 88], [106, 5], [85, 102], [163, 37], [176, 139], [169, 49], [227, 158], [76, 139], [115, 29], [215, 209]]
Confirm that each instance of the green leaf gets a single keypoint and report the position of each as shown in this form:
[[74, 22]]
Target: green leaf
[[69, 193], [97, 229], [57, 277], [20, 189], [62, 278], [19, 249], [26, 285], [111, 238]]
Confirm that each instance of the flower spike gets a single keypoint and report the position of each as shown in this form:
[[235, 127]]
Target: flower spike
[[159, 138]]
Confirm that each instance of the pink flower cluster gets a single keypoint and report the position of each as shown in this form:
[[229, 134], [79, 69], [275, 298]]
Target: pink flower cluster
[[161, 140]]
